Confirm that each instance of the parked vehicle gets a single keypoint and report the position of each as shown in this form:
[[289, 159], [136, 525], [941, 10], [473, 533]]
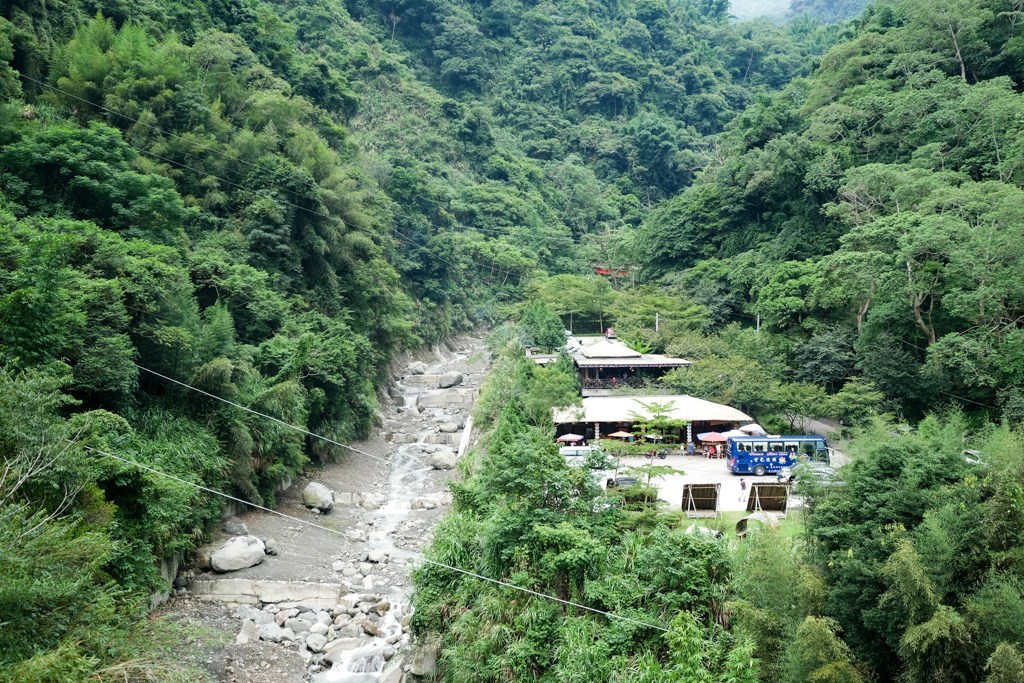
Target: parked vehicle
[[760, 455], [815, 474]]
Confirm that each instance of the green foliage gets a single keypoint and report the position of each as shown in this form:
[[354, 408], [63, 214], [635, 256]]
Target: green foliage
[[542, 327]]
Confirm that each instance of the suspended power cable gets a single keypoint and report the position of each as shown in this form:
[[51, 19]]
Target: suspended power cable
[[420, 558], [279, 421]]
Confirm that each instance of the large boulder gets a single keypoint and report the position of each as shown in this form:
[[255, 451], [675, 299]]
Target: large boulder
[[318, 496], [417, 368], [769, 520], [450, 379], [443, 459], [238, 553], [423, 658]]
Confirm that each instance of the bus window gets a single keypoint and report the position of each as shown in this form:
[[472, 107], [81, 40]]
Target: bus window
[[792, 447], [759, 446], [776, 446], [745, 446], [808, 448]]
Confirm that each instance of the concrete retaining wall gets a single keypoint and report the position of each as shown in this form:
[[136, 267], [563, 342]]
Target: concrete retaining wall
[[255, 591]]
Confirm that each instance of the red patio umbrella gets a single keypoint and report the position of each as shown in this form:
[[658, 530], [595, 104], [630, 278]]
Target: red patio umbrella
[[712, 437]]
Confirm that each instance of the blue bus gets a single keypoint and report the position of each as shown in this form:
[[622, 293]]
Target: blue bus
[[759, 455]]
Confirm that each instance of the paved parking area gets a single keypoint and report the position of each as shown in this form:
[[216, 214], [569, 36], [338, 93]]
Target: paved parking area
[[696, 470]]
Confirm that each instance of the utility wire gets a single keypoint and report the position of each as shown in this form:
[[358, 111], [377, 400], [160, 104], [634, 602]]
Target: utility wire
[[279, 421], [466, 572]]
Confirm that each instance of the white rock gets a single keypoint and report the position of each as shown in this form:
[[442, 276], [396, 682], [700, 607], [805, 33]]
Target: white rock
[[365, 568], [297, 625], [317, 496], [417, 368], [271, 632], [368, 582], [337, 566], [316, 642], [238, 553], [318, 628], [250, 633], [377, 556], [450, 379], [443, 459]]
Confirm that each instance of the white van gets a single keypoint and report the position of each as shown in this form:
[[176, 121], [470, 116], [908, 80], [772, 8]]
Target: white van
[[576, 451]]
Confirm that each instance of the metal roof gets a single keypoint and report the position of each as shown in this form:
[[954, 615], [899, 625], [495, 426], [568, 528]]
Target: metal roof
[[626, 408]]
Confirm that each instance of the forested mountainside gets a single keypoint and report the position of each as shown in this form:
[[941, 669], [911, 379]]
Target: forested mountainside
[[869, 215], [266, 200]]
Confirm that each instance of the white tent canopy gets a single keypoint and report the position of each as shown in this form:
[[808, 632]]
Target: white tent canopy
[[634, 408]]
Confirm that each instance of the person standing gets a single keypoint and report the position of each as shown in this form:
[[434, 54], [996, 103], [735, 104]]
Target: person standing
[[689, 448], [743, 489]]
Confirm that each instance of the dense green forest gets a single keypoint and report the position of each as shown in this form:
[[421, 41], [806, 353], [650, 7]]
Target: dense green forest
[[911, 571], [266, 200], [269, 199]]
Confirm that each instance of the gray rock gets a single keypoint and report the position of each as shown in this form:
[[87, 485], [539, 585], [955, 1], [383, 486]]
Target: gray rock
[[316, 642], [262, 617], [423, 658], [250, 633], [271, 633], [317, 496], [448, 427], [297, 625], [319, 629], [234, 527], [238, 553], [417, 368], [443, 459], [450, 379], [377, 556], [323, 618], [381, 608], [334, 650], [372, 501], [393, 674]]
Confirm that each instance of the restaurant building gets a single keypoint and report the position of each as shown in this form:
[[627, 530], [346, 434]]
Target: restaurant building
[[603, 415]]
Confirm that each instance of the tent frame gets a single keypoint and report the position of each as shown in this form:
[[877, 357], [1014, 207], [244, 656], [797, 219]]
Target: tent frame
[[771, 501], [691, 506]]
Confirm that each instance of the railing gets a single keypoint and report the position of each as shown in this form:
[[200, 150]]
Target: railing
[[630, 383]]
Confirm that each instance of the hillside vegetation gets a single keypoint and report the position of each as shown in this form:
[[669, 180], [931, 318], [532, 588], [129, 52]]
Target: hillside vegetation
[[268, 199]]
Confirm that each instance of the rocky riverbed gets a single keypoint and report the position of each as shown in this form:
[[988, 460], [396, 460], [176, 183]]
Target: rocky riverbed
[[330, 602]]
